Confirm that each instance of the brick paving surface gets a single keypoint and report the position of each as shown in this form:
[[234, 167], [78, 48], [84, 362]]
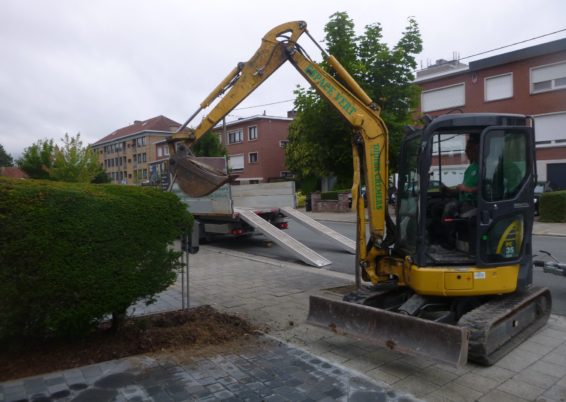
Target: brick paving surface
[[272, 372]]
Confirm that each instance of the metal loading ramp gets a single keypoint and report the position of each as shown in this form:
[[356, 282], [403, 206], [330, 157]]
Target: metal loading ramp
[[290, 244], [342, 241]]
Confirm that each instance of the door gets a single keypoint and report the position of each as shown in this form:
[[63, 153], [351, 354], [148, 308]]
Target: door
[[408, 196], [505, 210]]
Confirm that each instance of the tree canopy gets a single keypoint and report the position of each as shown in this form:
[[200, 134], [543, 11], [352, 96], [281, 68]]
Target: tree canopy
[[70, 161], [319, 140], [209, 145], [37, 159], [5, 158]]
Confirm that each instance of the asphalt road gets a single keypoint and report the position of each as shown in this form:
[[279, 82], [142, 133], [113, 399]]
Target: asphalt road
[[344, 262]]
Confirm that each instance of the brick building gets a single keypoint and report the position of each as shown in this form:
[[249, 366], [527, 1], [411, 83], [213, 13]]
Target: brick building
[[530, 81], [256, 147], [138, 153], [135, 154]]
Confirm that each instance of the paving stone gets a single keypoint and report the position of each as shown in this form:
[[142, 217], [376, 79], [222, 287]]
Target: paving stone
[[454, 392], [521, 389], [416, 386], [437, 376], [477, 382], [117, 380], [531, 376], [549, 368], [556, 393], [518, 360], [497, 395], [95, 395]]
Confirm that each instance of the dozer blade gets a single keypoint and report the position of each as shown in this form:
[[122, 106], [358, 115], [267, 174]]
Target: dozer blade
[[195, 178], [401, 333]]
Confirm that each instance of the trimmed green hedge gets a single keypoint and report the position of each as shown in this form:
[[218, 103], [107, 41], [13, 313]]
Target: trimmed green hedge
[[553, 206], [72, 254], [301, 199], [332, 195]]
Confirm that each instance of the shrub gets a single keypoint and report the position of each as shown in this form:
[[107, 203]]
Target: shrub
[[553, 206], [301, 199], [332, 195], [73, 253]]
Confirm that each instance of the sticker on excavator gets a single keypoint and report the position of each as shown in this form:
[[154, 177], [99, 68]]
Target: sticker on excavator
[[401, 333]]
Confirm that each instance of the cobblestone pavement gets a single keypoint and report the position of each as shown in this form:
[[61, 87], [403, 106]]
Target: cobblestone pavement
[[273, 372], [274, 294]]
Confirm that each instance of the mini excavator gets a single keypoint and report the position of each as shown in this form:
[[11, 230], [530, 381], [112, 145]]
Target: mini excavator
[[451, 276]]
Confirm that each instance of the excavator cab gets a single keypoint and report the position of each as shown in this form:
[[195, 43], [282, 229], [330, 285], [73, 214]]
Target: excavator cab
[[465, 192]]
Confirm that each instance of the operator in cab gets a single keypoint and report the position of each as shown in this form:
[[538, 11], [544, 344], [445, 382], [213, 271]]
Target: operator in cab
[[467, 190]]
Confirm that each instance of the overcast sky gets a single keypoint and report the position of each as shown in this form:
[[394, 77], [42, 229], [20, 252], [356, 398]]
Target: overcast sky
[[70, 66]]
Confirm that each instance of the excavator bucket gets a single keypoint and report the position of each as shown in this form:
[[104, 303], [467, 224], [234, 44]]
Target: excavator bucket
[[401, 333], [194, 177]]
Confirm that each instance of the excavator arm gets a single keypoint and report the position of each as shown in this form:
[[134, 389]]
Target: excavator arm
[[369, 133], [194, 178]]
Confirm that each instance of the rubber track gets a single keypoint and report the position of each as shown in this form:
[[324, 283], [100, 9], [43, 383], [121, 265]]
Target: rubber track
[[482, 319]]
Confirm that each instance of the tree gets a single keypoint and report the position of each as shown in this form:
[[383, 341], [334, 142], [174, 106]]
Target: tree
[[37, 159], [319, 140], [101, 177], [72, 162], [209, 145], [5, 158]]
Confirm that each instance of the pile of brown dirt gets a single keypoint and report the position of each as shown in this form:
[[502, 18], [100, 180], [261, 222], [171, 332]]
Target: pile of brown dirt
[[184, 329]]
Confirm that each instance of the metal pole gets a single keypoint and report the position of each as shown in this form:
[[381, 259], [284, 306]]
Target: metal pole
[[188, 292], [183, 283]]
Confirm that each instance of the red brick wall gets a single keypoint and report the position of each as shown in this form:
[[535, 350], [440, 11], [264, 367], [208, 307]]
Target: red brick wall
[[522, 101], [271, 157]]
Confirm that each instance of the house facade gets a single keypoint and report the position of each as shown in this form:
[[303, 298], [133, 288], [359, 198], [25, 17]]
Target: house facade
[[136, 154], [256, 147], [530, 81]]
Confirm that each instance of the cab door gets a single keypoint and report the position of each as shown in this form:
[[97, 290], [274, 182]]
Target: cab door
[[505, 203]]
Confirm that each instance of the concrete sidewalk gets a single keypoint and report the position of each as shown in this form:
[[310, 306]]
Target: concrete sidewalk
[[298, 358]]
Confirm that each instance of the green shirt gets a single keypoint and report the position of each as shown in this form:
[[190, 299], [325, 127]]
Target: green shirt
[[471, 179]]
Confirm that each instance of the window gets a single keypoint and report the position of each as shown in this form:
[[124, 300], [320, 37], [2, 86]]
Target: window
[[285, 173], [505, 165], [283, 143], [236, 162], [499, 87], [235, 137], [252, 157], [409, 195], [159, 151], [548, 78], [443, 98], [252, 133], [140, 142], [220, 138]]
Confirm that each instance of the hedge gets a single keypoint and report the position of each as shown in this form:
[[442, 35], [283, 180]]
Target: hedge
[[553, 206], [72, 254]]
